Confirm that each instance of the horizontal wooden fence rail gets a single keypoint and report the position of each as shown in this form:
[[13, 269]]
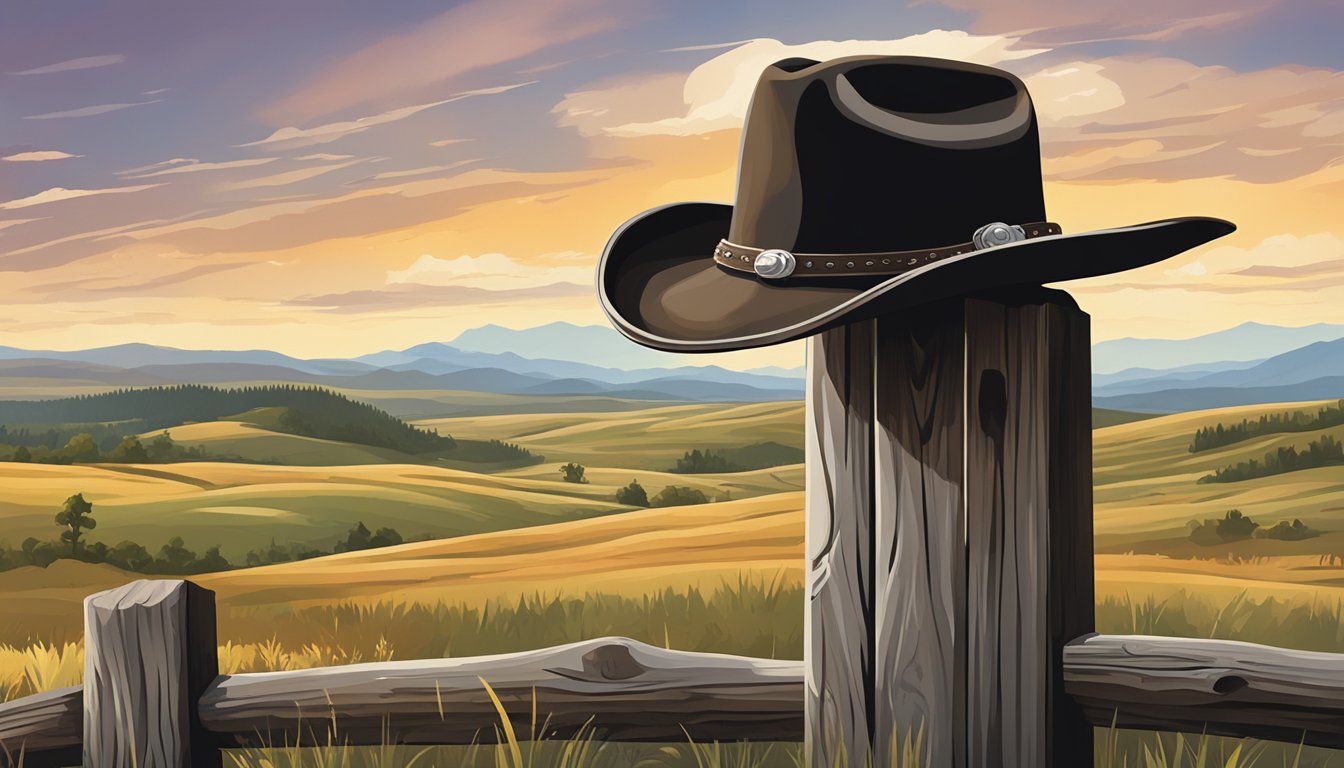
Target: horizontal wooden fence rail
[[626, 690], [1219, 686]]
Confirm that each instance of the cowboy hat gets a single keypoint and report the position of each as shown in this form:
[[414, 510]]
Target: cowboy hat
[[865, 184]]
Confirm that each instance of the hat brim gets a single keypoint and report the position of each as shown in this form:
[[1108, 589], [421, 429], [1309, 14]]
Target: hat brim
[[658, 283]]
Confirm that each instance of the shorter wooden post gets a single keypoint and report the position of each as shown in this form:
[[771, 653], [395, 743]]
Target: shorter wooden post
[[149, 653]]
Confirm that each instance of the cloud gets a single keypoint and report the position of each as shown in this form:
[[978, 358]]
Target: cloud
[[58, 194], [7, 223], [473, 35], [492, 272], [291, 137], [189, 165], [285, 178], [715, 95], [423, 170], [1058, 22], [1164, 118], [98, 109], [70, 65], [397, 297], [1303, 264], [323, 156], [122, 283], [38, 156]]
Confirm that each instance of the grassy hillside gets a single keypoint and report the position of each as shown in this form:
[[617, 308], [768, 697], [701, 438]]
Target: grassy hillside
[[1146, 485], [249, 441], [255, 436], [653, 438], [629, 554], [245, 506], [294, 409]]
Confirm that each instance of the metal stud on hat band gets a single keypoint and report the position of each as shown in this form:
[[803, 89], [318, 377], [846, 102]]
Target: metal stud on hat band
[[774, 264]]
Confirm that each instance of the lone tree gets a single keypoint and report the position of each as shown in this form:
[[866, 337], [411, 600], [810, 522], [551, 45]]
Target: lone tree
[[77, 516], [573, 473], [633, 495]]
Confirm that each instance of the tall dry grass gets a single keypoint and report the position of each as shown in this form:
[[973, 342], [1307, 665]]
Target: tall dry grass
[[753, 617]]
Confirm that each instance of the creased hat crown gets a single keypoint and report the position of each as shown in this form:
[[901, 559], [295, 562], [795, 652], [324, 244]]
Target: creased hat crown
[[867, 154]]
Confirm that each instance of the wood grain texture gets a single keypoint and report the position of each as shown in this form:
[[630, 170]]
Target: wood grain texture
[[1029, 550], [1226, 687], [920, 666], [626, 690], [840, 621], [44, 727], [966, 552], [149, 653]]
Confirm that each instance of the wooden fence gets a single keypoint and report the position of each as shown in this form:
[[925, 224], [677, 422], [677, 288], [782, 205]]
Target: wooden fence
[[145, 703], [949, 539]]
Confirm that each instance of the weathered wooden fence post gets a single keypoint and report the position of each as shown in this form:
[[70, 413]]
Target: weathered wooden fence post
[[949, 511], [149, 653]]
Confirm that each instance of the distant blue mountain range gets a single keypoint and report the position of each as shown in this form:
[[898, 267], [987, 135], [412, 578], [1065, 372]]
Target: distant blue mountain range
[[1244, 343], [1264, 364]]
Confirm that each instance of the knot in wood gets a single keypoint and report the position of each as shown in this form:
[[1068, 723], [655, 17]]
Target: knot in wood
[[611, 662]]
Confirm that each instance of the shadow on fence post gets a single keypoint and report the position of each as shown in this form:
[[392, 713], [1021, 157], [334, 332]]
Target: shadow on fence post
[[949, 528], [150, 651]]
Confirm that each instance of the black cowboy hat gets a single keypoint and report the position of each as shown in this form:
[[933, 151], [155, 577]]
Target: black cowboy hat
[[864, 184]]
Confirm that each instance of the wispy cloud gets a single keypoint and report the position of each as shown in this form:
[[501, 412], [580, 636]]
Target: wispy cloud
[[97, 109], [492, 271], [58, 194], [7, 223], [38, 156], [423, 170], [1164, 118], [1299, 264], [285, 178], [409, 296], [715, 95], [291, 137], [188, 165], [1069, 22], [70, 65], [470, 36]]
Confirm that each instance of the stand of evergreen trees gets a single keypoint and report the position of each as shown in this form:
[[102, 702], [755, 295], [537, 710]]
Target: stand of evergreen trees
[[175, 559], [130, 449], [1208, 438], [1320, 453], [310, 411]]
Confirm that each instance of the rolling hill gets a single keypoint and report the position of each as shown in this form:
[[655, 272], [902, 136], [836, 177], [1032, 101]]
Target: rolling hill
[[1145, 485]]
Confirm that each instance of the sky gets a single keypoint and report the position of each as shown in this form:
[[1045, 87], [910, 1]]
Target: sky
[[330, 178]]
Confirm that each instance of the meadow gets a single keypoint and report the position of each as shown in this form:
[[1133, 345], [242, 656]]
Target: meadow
[[724, 576]]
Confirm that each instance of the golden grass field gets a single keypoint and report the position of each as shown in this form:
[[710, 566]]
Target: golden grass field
[[531, 560], [630, 554], [525, 529], [652, 438]]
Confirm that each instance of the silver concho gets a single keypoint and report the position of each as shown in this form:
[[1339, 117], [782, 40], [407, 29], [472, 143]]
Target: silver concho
[[997, 233], [774, 264]]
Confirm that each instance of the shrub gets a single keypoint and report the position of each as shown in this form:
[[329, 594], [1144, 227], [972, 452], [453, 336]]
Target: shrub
[[679, 496], [1234, 526], [633, 495], [1286, 531], [573, 473]]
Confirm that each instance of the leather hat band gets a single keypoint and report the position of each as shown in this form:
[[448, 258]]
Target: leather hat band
[[775, 263]]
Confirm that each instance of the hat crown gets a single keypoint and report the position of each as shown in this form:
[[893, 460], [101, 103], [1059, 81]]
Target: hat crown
[[891, 153]]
